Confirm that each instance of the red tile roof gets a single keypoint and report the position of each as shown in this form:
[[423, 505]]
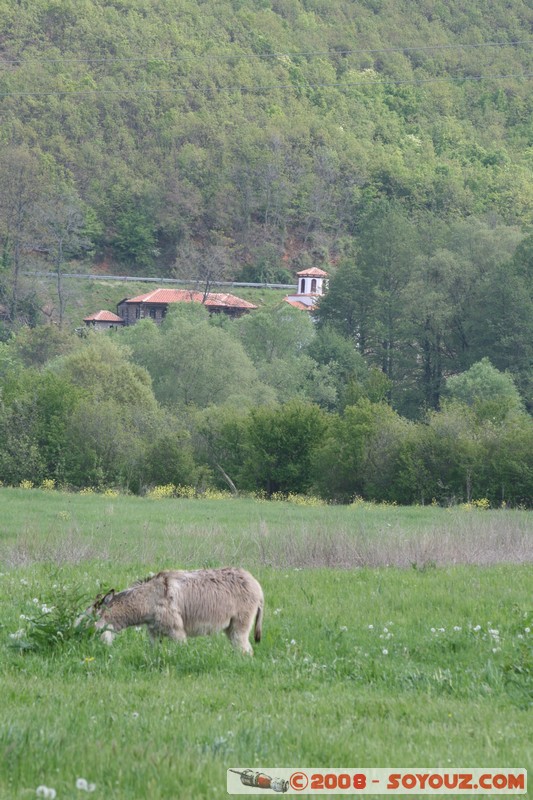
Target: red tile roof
[[213, 300], [297, 304], [103, 316], [314, 272]]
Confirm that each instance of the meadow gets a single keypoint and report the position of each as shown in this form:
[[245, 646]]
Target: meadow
[[393, 637]]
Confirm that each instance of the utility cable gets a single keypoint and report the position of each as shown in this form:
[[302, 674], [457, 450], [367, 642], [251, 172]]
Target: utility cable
[[266, 88], [233, 56]]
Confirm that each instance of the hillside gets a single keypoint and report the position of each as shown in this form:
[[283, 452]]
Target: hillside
[[256, 135]]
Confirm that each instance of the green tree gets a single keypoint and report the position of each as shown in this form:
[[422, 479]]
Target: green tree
[[59, 229], [34, 416], [280, 443], [194, 362], [104, 370], [360, 454], [491, 393], [22, 179]]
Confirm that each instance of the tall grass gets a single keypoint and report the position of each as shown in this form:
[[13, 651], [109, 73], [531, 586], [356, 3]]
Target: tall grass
[[361, 664], [66, 528]]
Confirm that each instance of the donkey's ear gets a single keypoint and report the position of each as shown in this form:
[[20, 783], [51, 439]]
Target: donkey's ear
[[104, 599], [108, 597]]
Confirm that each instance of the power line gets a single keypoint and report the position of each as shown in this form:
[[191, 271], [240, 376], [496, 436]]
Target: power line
[[233, 56], [265, 88]]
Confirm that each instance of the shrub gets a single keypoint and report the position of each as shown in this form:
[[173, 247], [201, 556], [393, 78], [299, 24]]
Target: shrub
[[54, 621]]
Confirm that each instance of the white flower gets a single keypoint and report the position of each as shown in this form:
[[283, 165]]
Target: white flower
[[36, 601], [385, 630], [24, 582], [442, 630], [385, 652], [45, 791], [496, 649], [520, 636], [433, 630], [343, 628], [370, 627], [527, 630], [84, 786], [477, 628], [135, 714], [494, 633], [277, 611], [456, 628], [293, 641], [18, 635]]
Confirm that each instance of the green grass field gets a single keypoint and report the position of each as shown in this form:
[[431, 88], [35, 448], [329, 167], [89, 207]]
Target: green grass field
[[393, 637]]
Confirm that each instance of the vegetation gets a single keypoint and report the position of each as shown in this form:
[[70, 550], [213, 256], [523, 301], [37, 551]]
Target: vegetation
[[387, 142], [415, 656], [265, 404], [252, 138]]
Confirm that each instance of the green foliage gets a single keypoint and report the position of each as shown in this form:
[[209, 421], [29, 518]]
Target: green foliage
[[493, 394], [34, 417], [103, 369], [360, 454], [168, 139], [52, 623], [36, 346], [193, 362], [279, 447]]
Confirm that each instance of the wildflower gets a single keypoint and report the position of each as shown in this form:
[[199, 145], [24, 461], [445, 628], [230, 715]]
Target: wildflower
[[18, 635], [370, 627], [456, 628], [88, 659], [277, 611], [494, 633], [84, 786], [343, 628], [527, 630], [45, 791], [385, 630], [293, 641], [385, 652], [433, 630], [496, 649], [24, 582], [135, 714], [442, 630], [36, 601], [477, 628]]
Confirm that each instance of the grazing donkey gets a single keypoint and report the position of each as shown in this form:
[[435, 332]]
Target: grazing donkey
[[179, 604]]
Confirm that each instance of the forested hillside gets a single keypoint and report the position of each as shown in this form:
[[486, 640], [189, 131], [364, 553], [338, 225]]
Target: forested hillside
[[254, 134]]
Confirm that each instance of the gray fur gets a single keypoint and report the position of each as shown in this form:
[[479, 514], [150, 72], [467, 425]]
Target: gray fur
[[179, 603]]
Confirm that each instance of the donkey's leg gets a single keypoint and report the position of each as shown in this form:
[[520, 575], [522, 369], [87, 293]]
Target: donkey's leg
[[238, 632], [154, 634], [175, 629]]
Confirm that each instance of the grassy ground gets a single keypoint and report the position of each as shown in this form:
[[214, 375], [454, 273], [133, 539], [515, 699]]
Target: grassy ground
[[376, 666]]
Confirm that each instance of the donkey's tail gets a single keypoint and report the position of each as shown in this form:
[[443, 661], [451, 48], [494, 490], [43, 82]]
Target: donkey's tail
[[258, 623]]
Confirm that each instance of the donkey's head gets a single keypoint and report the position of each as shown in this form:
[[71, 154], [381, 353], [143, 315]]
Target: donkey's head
[[96, 609]]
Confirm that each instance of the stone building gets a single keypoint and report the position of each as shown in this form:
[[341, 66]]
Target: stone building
[[154, 305], [312, 284]]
